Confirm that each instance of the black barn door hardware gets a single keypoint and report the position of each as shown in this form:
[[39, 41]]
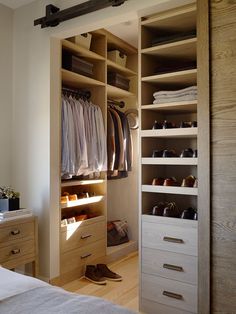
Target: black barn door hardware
[[54, 16]]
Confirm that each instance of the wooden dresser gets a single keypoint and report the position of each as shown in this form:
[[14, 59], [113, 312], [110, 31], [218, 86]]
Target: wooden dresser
[[19, 243]]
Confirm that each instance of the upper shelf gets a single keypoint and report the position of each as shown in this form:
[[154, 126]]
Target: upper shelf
[[186, 49], [118, 93], [83, 201], [81, 182], [120, 69], [81, 51], [187, 77], [171, 133], [170, 161], [76, 80], [183, 106]]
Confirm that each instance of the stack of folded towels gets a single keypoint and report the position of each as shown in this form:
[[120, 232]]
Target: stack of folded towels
[[185, 94]]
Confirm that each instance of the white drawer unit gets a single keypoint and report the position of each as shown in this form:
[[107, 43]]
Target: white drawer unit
[[152, 307]]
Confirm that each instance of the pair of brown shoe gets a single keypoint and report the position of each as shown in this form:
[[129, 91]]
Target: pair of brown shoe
[[100, 274], [190, 182], [165, 182]]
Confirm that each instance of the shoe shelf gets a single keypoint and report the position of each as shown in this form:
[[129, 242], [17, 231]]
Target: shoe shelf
[[170, 190], [178, 78], [73, 226], [118, 93], [173, 107], [81, 51], [180, 49], [83, 201], [112, 66], [81, 182], [73, 79], [170, 161], [171, 133]]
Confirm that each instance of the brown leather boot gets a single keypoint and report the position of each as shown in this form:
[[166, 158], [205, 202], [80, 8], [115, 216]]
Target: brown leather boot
[[107, 273], [94, 275]]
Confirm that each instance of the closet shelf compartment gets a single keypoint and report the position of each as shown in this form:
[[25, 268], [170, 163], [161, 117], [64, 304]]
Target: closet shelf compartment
[[117, 248], [112, 66], [180, 49], [77, 80], [82, 223], [170, 190], [81, 51], [171, 133], [179, 78], [83, 201], [174, 107], [81, 182], [170, 161], [118, 93]]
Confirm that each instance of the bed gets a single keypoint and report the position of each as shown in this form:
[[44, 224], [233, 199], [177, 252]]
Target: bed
[[20, 294]]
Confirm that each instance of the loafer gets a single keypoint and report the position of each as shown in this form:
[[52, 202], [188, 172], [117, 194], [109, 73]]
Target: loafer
[[107, 273], [170, 182], [158, 181], [157, 153], [157, 125], [171, 210], [94, 275], [188, 181], [168, 125], [169, 153], [186, 153], [158, 209], [185, 124], [189, 213]]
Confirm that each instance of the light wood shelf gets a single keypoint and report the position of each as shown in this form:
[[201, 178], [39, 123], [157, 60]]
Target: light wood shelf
[[170, 161], [183, 106], [82, 223], [118, 93], [171, 133], [117, 248], [81, 51], [170, 190], [83, 201], [178, 78], [112, 66], [81, 182], [180, 49], [77, 80]]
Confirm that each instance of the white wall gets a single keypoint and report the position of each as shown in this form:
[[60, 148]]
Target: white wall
[[35, 125], [6, 18]]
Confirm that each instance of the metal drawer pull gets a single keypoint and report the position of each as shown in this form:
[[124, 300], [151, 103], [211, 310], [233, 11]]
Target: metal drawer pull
[[173, 295], [174, 240], [15, 232], [85, 236], [16, 251], [173, 267], [85, 256]]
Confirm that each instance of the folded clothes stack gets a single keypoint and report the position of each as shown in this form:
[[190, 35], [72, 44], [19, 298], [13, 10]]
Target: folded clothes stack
[[185, 94]]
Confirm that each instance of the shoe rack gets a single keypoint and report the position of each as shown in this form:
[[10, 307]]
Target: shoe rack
[[168, 246], [84, 241]]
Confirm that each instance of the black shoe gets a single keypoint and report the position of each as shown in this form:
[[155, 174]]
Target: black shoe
[[94, 275], [157, 153], [168, 125], [186, 153], [189, 213], [157, 125], [195, 153], [169, 153]]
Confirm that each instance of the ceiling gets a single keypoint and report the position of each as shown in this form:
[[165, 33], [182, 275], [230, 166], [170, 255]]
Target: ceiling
[[14, 4]]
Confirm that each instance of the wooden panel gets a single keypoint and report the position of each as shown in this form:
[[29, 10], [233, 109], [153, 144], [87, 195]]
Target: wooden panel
[[81, 51], [169, 161], [16, 251], [223, 145], [153, 288], [77, 80], [174, 107], [16, 232]]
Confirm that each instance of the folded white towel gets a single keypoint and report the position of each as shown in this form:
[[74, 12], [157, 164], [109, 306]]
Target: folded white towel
[[161, 100], [183, 91]]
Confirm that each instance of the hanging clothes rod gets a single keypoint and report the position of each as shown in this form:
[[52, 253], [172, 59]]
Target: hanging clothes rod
[[54, 16], [120, 104], [78, 92]]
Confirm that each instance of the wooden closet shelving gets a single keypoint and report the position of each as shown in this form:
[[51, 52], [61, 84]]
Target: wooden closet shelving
[[81, 182], [75, 80], [171, 133], [170, 161], [117, 93], [83, 201], [120, 69], [174, 107], [176, 78], [169, 189]]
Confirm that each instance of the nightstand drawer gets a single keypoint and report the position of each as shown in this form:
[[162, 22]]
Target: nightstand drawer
[[173, 238], [170, 265], [16, 251], [17, 231], [172, 293]]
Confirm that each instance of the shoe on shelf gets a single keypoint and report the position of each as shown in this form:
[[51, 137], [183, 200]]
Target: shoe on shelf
[[188, 124], [157, 153], [187, 153], [194, 124], [189, 213], [157, 125], [195, 185], [158, 181], [94, 275], [195, 153], [158, 209], [171, 210], [169, 153], [170, 182], [168, 125], [188, 182], [107, 273]]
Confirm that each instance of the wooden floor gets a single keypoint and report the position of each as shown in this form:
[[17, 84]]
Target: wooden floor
[[124, 293]]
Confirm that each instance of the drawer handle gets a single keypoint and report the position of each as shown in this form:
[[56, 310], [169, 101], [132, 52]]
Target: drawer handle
[[16, 251], [15, 232], [173, 267], [173, 295], [85, 236], [173, 240], [85, 256]]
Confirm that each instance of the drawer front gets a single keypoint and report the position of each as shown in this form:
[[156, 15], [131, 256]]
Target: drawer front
[[72, 238], [152, 307], [169, 238], [169, 292], [16, 232], [170, 265], [82, 256], [16, 251]]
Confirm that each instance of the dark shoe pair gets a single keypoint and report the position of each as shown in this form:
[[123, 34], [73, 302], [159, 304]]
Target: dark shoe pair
[[100, 273], [189, 213], [189, 182], [164, 125], [190, 124], [189, 153], [165, 182], [164, 153], [166, 210]]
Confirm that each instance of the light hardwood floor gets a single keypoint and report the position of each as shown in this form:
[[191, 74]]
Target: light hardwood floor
[[124, 293]]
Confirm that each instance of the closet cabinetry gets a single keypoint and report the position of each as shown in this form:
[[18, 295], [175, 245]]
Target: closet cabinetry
[[169, 245], [83, 234]]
